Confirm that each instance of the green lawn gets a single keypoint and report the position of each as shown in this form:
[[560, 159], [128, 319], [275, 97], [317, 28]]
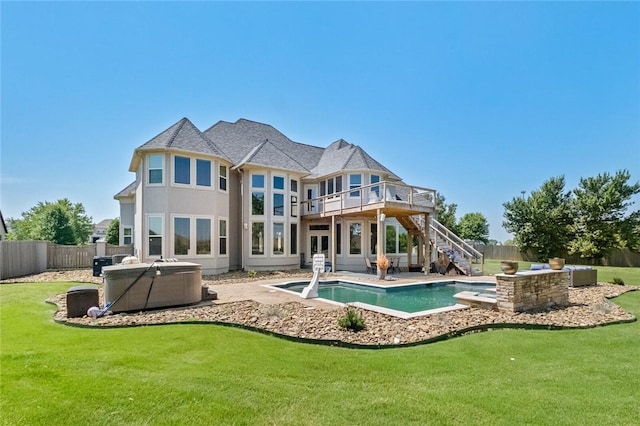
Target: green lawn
[[206, 374], [605, 273]]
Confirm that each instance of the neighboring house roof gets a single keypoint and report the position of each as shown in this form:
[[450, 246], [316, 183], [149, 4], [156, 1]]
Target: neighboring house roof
[[3, 225], [103, 223], [128, 191]]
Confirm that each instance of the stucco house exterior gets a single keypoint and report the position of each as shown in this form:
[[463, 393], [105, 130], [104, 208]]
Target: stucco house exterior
[[242, 195]]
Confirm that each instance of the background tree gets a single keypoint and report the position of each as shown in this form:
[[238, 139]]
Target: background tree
[[61, 222], [602, 220], [446, 213], [113, 232], [541, 222], [474, 226]]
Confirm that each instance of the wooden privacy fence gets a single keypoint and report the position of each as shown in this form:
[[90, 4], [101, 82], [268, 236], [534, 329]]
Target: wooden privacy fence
[[618, 257], [19, 258]]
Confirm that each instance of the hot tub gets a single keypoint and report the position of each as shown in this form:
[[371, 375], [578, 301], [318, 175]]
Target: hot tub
[[141, 286]]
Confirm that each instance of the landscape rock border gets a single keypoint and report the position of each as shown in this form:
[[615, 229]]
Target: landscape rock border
[[588, 307]]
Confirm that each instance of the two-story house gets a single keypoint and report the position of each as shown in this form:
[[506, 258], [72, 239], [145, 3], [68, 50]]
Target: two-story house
[[244, 196]]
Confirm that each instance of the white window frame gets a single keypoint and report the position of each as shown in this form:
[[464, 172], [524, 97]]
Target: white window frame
[[125, 236], [264, 238], [355, 191], [212, 178], [362, 250], [147, 244], [174, 157], [212, 232], [282, 241], [226, 236], [163, 169], [222, 178]]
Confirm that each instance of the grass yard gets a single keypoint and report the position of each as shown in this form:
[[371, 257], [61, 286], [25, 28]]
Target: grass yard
[[605, 273], [206, 374]]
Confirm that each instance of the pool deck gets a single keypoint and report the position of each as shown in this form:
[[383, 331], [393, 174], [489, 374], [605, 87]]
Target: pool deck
[[261, 292]]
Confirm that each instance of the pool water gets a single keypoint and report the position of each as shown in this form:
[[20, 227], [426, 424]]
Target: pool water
[[410, 298]]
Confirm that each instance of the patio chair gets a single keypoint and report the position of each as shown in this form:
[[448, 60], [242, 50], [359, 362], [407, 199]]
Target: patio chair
[[370, 268], [395, 265]]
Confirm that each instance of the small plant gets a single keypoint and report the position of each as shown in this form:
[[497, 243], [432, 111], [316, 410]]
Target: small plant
[[617, 280], [252, 273], [352, 320]]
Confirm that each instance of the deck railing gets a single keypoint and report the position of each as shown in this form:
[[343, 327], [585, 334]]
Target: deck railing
[[367, 195]]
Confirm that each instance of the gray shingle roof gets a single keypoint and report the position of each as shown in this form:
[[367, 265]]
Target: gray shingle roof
[[343, 156], [250, 142], [128, 191], [239, 140], [184, 136]]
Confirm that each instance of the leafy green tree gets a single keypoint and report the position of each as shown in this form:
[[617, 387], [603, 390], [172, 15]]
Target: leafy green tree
[[541, 222], [61, 222], [603, 220], [446, 213], [56, 226], [113, 232], [474, 226]]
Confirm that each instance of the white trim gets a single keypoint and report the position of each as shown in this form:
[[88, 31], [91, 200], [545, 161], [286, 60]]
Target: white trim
[[147, 169], [218, 236]]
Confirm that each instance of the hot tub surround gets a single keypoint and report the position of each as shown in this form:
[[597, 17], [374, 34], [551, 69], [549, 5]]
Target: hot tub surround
[[148, 286]]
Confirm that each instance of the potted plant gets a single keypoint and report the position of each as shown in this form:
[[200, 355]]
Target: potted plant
[[509, 267], [557, 263], [382, 263]]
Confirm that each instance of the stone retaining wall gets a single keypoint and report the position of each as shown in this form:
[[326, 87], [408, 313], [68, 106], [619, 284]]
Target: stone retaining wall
[[531, 290]]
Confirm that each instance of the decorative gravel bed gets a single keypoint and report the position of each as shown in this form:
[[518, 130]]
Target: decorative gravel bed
[[588, 307]]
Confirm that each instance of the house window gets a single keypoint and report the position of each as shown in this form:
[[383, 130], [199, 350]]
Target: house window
[[278, 238], [203, 172], [294, 185], [338, 183], [182, 170], [181, 236], [338, 238], [376, 189], [154, 229], [355, 238], [156, 165], [278, 204], [257, 181], [223, 177], [257, 238], [203, 236], [278, 182], [355, 181], [127, 232], [323, 188], [257, 203], [391, 239], [294, 206], [294, 238], [402, 240], [222, 232], [374, 238]]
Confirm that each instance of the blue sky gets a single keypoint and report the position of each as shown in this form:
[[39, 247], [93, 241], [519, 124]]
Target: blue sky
[[479, 101]]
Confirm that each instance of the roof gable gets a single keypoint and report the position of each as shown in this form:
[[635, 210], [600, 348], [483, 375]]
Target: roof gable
[[245, 138], [343, 156], [184, 136]]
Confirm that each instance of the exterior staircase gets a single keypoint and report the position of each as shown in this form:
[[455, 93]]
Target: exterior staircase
[[466, 258]]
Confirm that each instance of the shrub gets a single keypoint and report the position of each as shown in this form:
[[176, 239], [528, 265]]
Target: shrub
[[617, 280], [382, 262], [252, 273], [352, 320]]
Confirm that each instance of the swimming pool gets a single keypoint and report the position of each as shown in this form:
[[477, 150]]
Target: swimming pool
[[411, 299]]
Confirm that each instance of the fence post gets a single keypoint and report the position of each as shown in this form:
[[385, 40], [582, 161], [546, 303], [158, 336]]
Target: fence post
[[101, 248]]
